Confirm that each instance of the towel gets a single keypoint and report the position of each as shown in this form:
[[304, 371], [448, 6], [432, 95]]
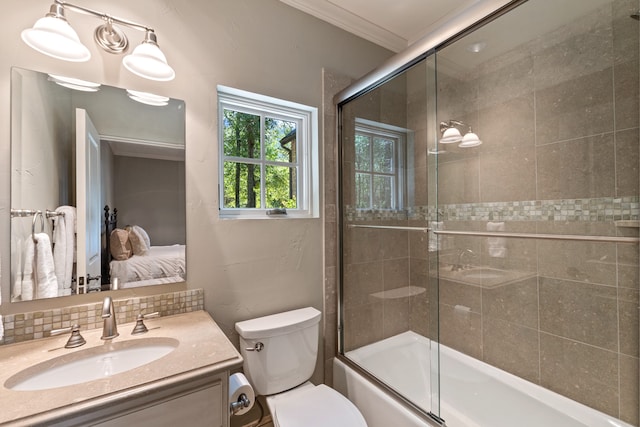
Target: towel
[[64, 249], [26, 284], [496, 246], [17, 253], [1, 324], [45, 274], [435, 241]]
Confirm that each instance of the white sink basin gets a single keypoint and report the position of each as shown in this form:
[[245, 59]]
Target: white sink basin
[[91, 364]]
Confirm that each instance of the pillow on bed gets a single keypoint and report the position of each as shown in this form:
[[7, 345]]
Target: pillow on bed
[[119, 245], [138, 242], [144, 234]]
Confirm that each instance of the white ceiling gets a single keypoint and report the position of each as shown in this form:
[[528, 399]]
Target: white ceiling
[[396, 24], [393, 24]]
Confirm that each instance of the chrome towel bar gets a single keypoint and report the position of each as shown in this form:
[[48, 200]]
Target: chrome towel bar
[[573, 237]]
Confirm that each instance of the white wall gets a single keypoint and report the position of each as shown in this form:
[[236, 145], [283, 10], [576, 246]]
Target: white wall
[[250, 267]]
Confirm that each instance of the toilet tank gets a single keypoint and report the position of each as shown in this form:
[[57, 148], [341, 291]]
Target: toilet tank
[[289, 349]]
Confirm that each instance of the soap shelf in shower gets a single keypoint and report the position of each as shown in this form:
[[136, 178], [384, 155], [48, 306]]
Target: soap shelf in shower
[[404, 292], [628, 223]]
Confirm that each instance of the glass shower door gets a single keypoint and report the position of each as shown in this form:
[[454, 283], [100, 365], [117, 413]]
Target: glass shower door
[[539, 140], [388, 255]]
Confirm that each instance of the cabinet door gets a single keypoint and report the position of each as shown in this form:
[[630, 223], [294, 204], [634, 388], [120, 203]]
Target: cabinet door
[[201, 408]]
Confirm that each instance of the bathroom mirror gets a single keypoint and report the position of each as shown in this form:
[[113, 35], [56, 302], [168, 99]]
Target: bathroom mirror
[[87, 159]]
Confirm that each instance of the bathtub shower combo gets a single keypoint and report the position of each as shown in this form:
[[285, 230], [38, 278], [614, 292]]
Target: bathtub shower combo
[[489, 183]]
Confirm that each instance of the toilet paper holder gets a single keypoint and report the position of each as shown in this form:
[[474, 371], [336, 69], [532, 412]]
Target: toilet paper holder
[[242, 402]]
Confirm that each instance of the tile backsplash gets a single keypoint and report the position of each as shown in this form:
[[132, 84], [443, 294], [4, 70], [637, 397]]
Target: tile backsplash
[[39, 324]]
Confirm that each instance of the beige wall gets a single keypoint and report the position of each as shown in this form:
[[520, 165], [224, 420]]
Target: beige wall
[[151, 193], [247, 268]]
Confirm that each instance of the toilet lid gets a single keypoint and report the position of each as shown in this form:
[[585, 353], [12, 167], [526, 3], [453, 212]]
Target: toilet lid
[[318, 406]]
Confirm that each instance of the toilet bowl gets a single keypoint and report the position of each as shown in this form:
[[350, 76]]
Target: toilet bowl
[[280, 353]]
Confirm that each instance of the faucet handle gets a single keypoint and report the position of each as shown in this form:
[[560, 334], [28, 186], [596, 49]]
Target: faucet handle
[[140, 327], [75, 340]]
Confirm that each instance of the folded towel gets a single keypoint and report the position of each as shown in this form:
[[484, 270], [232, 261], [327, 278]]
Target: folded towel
[[45, 274], [64, 249], [496, 246], [435, 241], [1, 324], [17, 253], [26, 285]]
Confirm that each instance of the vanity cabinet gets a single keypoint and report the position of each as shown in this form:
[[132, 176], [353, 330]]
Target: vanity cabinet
[[203, 406]]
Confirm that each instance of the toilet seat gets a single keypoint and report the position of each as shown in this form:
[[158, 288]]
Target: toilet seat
[[317, 406]]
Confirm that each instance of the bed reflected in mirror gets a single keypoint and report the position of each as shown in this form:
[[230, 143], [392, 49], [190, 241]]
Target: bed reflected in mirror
[[79, 154]]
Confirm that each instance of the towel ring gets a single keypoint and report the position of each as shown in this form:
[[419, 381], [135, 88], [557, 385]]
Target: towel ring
[[33, 225]]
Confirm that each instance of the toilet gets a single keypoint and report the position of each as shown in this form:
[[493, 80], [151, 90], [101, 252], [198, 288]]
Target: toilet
[[280, 353]]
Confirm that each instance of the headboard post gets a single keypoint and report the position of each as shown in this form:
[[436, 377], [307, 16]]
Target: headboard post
[[110, 224]]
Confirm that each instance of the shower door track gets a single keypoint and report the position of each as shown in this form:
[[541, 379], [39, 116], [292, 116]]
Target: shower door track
[[573, 237]]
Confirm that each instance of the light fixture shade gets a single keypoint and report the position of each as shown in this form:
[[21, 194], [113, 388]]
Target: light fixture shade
[[451, 135], [148, 98], [53, 36], [148, 61], [470, 140], [75, 84]]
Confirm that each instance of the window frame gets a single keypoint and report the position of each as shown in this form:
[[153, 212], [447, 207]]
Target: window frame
[[400, 138], [307, 176]]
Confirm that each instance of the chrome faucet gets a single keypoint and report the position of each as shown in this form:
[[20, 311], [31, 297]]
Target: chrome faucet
[[109, 327], [459, 265]]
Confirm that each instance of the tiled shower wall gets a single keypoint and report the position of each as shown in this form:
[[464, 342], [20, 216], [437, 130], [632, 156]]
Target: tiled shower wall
[[332, 83], [559, 119]]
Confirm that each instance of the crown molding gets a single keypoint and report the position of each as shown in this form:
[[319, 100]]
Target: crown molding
[[341, 18]]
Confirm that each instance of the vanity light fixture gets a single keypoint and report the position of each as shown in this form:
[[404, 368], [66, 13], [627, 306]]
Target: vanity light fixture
[[451, 134], [148, 98], [53, 36]]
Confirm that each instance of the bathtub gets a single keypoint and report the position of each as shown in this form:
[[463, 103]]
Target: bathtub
[[472, 393]]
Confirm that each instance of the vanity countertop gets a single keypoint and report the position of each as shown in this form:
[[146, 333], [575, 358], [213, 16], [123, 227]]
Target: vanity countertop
[[203, 350]]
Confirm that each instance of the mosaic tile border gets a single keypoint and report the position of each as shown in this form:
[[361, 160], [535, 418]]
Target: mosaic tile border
[[602, 209], [38, 324]]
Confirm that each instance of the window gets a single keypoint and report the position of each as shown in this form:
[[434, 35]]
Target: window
[[268, 156], [379, 162]]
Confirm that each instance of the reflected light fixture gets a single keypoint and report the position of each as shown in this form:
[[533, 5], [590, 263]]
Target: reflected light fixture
[[148, 98], [476, 47], [73, 83], [451, 134], [53, 36], [470, 139]]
